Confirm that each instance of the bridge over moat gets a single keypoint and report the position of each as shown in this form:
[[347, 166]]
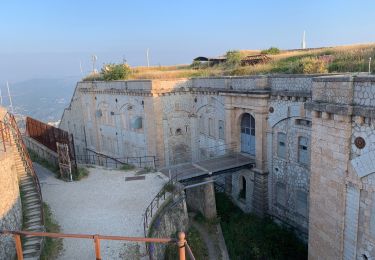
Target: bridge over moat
[[201, 170]]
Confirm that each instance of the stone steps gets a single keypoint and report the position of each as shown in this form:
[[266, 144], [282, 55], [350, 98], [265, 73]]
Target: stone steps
[[30, 204], [32, 212]]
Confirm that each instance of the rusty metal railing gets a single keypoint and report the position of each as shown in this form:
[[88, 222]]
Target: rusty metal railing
[[4, 136], [181, 241], [10, 121]]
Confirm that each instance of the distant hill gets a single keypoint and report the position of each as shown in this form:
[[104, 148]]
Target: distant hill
[[43, 99], [350, 58]]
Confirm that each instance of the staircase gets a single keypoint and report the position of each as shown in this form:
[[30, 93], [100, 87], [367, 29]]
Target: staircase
[[31, 196]]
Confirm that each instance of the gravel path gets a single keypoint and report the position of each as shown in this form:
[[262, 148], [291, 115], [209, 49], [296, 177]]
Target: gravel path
[[103, 204]]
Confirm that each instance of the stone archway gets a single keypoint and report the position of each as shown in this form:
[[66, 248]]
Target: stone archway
[[247, 134]]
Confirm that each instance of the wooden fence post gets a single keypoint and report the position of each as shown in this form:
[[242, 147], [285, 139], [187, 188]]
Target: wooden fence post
[[181, 245], [17, 239], [97, 247]]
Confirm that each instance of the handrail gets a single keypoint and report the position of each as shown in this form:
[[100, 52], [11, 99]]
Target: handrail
[[121, 160], [181, 241], [4, 135], [10, 121], [149, 209]]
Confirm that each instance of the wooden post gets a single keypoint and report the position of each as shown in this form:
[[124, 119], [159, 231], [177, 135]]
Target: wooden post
[[181, 245], [17, 239], [97, 247]]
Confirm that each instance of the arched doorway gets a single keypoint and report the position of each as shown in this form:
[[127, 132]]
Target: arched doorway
[[248, 134]]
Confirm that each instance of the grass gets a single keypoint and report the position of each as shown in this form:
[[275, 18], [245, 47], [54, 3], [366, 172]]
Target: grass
[[52, 246], [196, 243], [127, 167], [80, 173], [350, 58], [46, 164], [250, 237]]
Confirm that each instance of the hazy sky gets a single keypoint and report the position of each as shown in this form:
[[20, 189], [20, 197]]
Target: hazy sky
[[50, 38]]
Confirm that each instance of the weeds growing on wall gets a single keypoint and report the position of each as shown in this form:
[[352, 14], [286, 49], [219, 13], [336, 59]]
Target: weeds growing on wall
[[196, 243], [46, 164], [127, 167], [250, 237], [353, 58]]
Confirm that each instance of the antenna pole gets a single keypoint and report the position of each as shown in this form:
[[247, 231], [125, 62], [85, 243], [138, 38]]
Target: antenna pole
[[94, 58], [148, 61], [80, 66], [10, 99], [1, 98]]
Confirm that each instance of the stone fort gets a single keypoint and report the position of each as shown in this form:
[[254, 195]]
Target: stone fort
[[312, 138]]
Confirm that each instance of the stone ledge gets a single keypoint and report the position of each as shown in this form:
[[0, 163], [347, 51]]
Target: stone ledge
[[291, 93], [334, 78], [346, 110], [329, 108]]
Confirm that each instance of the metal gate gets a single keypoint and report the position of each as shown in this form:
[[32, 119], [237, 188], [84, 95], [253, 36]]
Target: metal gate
[[64, 161], [248, 134]]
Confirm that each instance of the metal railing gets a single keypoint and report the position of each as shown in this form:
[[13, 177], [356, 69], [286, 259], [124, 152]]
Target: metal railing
[[10, 122], [109, 161], [181, 241], [4, 136], [154, 206]]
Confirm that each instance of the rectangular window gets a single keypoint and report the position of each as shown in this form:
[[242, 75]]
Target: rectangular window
[[201, 124], [303, 122], [211, 127], [221, 129], [301, 203], [281, 143], [281, 194], [303, 150]]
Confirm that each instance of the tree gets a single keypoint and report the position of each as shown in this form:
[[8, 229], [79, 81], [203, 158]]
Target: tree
[[234, 58]]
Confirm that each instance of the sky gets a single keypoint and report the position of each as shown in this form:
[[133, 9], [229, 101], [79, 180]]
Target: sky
[[50, 39]]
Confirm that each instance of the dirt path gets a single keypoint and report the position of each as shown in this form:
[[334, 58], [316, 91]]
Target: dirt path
[[104, 204]]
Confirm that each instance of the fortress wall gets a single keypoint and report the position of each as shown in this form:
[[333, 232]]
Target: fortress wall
[[293, 83], [118, 84], [10, 203]]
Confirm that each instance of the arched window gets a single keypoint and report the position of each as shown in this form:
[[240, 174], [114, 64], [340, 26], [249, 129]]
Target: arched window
[[248, 134], [242, 194]]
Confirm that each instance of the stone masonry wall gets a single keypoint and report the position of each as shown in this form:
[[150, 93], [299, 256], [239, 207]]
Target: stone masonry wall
[[10, 204], [170, 219], [41, 150]]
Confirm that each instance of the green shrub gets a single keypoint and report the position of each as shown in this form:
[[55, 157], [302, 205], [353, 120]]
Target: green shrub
[[250, 237], [46, 164], [271, 51], [233, 59], [196, 243], [196, 64], [80, 173], [52, 246], [169, 187], [115, 71], [127, 167], [309, 65]]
